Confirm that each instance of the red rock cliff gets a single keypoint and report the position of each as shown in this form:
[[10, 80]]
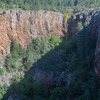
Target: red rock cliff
[[27, 25], [24, 26]]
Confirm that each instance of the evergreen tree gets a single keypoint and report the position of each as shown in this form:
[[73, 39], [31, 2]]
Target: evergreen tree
[[79, 27], [80, 40], [26, 6], [54, 5], [72, 3]]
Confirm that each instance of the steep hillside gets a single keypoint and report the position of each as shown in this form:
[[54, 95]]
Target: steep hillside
[[96, 33], [50, 68]]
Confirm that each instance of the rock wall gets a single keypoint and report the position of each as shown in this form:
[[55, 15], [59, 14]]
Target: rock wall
[[27, 25], [24, 26]]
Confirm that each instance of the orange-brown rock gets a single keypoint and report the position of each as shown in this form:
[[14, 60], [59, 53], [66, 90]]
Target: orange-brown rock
[[27, 25]]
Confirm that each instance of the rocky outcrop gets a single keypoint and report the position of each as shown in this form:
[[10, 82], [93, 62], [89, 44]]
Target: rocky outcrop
[[24, 26], [7, 77]]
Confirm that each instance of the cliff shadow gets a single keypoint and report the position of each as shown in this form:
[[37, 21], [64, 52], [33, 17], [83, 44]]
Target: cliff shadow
[[46, 73]]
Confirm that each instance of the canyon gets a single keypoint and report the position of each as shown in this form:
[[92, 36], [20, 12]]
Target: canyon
[[25, 26]]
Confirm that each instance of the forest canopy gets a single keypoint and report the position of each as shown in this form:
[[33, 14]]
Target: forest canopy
[[53, 5]]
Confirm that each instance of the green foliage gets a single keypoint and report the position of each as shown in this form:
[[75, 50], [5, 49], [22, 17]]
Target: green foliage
[[25, 87], [76, 9], [26, 6], [62, 5], [56, 41], [1, 71], [21, 68], [87, 21], [79, 8], [54, 55], [3, 91], [79, 26], [58, 93], [24, 60], [39, 48], [17, 79], [16, 48], [84, 40], [71, 45], [12, 60], [73, 62], [53, 8], [81, 65]]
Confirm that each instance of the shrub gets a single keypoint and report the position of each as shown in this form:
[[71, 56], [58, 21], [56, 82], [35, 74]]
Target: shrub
[[60, 93], [37, 97], [56, 41], [76, 9], [3, 91], [11, 61], [74, 62], [17, 79], [17, 52], [1, 71], [27, 88]]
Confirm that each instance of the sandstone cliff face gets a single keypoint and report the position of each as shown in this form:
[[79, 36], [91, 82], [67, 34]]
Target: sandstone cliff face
[[24, 26], [27, 25]]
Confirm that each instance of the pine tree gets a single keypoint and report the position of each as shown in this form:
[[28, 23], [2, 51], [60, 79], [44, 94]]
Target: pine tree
[[72, 3], [79, 27]]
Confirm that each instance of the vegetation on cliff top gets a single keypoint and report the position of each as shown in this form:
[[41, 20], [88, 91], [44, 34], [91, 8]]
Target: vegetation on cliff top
[[53, 5]]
